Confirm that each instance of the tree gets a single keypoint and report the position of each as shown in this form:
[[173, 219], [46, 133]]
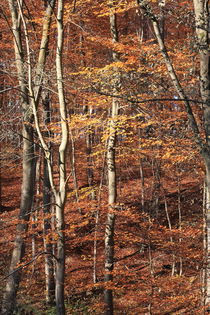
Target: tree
[[201, 23], [47, 209], [118, 89], [15, 8], [112, 179], [60, 191], [60, 195], [202, 31]]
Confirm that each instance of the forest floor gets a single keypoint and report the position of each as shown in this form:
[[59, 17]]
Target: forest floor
[[158, 252]]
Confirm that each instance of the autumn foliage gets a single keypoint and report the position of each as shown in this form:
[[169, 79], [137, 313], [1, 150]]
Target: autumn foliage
[[159, 230]]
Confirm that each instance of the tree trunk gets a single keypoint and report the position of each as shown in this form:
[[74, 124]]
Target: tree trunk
[[207, 270], [49, 266], [47, 206], [36, 201], [109, 230], [202, 31], [9, 299], [73, 168], [89, 143], [61, 194], [112, 182], [60, 263]]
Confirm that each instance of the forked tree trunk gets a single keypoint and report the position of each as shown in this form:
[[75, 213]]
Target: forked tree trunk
[[112, 182], [59, 192], [15, 7]]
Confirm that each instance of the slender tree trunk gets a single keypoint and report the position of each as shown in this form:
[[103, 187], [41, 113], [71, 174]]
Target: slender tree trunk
[[61, 194], [207, 270], [47, 207], [89, 143], [203, 271], [112, 183], [162, 4], [156, 188], [97, 216], [109, 230], [60, 264], [180, 219], [202, 30], [142, 183], [36, 201], [73, 167], [171, 238], [49, 266], [9, 299]]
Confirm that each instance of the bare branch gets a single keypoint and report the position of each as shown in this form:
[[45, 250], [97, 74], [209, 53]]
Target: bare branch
[[133, 100], [28, 263]]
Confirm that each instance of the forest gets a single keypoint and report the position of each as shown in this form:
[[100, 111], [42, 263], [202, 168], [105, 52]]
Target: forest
[[105, 157]]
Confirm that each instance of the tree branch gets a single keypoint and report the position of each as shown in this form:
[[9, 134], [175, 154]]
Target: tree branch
[[28, 263], [147, 10], [132, 100]]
